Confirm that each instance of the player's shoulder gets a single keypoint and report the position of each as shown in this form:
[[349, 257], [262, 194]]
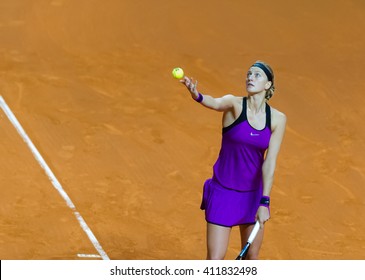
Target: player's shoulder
[[277, 117], [278, 114]]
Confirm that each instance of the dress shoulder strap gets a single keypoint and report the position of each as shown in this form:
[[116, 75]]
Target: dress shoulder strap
[[244, 109], [241, 118], [268, 116]]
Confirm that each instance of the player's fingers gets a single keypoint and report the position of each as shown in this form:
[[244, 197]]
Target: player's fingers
[[192, 85], [261, 221], [186, 81], [261, 224]]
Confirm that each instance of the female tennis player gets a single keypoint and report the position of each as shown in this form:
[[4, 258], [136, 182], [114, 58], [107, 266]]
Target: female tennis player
[[238, 194]]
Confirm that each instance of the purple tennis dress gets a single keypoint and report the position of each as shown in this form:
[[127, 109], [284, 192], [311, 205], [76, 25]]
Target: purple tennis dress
[[232, 196]]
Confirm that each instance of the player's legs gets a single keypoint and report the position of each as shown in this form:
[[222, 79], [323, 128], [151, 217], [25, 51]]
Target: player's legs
[[253, 253], [217, 241]]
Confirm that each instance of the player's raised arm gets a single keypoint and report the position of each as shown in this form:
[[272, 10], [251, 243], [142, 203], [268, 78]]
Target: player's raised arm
[[219, 104]]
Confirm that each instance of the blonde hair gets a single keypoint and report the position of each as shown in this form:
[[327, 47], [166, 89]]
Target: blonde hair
[[270, 91]]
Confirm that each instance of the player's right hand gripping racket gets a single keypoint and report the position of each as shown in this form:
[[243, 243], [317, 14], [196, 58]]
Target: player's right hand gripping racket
[[252, 236]]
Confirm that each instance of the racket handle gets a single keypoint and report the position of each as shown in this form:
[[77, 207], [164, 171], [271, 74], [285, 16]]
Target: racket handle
[[252, 236], [243, 253], [254, 232]]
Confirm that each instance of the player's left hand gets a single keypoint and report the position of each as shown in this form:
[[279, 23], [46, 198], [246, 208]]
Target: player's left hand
[[262, 215]]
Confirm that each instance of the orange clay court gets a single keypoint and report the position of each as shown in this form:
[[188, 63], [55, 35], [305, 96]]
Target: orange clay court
[[90, 82]]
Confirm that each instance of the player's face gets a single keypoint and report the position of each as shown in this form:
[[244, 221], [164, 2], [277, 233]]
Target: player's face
[[256, 80]]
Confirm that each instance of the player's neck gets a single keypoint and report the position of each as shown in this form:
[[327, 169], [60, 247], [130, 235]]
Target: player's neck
[[256, 103]]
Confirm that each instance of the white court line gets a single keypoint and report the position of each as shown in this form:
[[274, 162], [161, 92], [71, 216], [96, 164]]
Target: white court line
[[89, 256], [52, 178]]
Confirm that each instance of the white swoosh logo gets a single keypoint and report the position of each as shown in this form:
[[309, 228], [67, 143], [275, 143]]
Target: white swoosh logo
[[254, 134]]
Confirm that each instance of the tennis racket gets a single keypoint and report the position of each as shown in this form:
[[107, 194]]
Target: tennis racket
[[252, 236]]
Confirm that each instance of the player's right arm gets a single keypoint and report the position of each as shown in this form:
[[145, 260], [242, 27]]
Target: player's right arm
[[221, 104]]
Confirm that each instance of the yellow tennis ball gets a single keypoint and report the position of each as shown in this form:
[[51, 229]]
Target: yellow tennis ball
[[178, 73]]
